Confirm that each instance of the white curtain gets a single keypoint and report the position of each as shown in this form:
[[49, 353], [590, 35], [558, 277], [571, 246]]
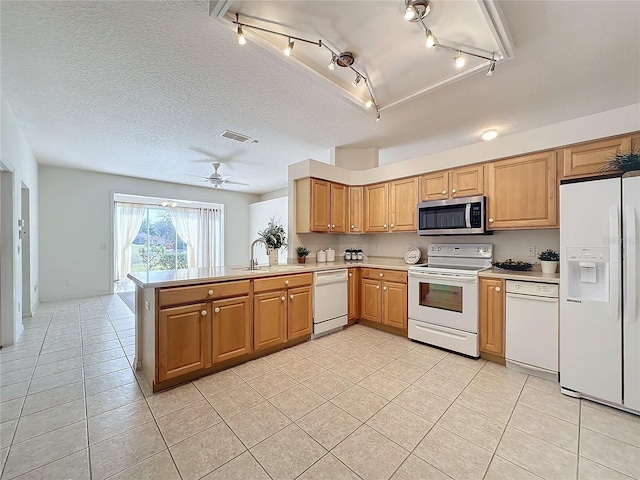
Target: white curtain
[[201, 230], [128, 220]]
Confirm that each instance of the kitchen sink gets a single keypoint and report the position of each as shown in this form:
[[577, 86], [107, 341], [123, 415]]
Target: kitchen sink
[[265, 269]]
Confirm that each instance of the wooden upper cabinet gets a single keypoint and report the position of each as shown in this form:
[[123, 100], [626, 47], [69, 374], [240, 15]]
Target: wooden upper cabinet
[[320, 205], [466, 182], [339, 208], [585, 160], [522, 192], [356, 209], [269, 316], [394, 304], [492, 316], [434, 186], [232, 328], [184, 340], [402, 205], [299, 312], [376, 208]]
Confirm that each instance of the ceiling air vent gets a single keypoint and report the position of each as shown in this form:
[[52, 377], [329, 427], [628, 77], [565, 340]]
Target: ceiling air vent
[[238, 137]]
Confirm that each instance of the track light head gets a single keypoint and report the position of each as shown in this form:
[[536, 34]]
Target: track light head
[[287, 50], [368, 103], [416, 10], [356, 81], [241, 38], [332, 63], [492, 67], [378, 117], [459, 60], [431, 39]]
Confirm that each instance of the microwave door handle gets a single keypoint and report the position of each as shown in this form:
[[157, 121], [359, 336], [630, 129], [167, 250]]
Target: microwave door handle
[[467, 215]]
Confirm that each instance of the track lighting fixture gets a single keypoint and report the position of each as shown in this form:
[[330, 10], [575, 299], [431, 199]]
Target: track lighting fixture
[[416, 10], [431, 39], [492, 67], [287, 50], [332, 64], [459, 60], [341, 59]]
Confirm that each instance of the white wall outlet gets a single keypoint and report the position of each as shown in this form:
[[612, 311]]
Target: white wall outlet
[[35, 288], [531, 251], [147, 306]]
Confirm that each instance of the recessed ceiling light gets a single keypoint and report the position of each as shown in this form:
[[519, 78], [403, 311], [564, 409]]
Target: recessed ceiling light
[[489, 134]]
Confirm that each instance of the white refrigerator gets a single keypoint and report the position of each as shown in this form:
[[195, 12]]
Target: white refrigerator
[[599, 270]]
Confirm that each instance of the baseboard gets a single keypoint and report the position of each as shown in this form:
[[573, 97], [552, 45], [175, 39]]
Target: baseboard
[[80, 296]]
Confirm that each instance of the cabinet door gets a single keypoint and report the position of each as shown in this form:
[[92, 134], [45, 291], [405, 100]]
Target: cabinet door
[[521, 192], [339, 208], [354, 294], [320, 205], [232, 328], [184, 340], [402, 207], [394, 304], [434, 186], [269, 310], [356, 209], [370, 300], [299, 312], [585, 160], [492, 316], [466, 182], [376, 208]]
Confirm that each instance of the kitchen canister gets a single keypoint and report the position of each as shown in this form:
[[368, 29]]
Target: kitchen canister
[[347, 255], [331, 255], [321, 256]]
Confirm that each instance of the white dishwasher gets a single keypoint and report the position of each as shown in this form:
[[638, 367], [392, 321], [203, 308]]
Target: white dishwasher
[[330, 301], [532, 328]]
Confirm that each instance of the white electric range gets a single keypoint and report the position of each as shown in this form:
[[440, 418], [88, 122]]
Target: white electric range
[[444, 296]]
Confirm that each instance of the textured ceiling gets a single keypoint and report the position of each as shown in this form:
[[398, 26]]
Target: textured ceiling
[[146, 88]]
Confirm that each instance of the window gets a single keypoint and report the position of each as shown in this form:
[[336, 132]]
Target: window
[[151, 234]]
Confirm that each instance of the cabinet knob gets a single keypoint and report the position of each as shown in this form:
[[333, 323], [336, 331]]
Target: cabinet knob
[[491, 220], [444, 192], [351, 274], [453, 190], [385, 225], [286, 282], [203, 313], [283, 298], [382, 274], [353, 226], [291, 296], [497, 289], [392, 225], [210, 292], [217, 310], [328, 225], [377, 287], [384, 288], [333, 226]]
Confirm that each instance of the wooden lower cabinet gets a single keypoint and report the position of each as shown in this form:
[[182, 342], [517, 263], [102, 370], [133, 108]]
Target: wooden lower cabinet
[[371, 300], [269, 315], [492, 317], [353, 286], [184, 340], [299, 312], [394, 304], [232, 328]]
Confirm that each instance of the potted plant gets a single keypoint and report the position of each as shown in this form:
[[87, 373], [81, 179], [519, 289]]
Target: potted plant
[[549, 261], [624, 161], [275, 237], [302, 253]]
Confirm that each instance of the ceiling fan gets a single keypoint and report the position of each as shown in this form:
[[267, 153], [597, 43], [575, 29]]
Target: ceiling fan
[[218, 180]]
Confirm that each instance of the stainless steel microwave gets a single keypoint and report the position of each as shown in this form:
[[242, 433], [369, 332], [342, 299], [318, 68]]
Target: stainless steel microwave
[[454, 216]]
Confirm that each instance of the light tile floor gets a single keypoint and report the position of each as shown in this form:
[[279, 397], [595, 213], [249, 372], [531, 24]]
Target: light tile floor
[[358, 404]]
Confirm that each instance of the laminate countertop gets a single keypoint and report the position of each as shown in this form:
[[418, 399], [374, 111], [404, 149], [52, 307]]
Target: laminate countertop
[[530, 276], [194, 276]]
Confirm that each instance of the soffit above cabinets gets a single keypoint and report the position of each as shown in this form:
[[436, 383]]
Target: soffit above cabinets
[[390, 51]]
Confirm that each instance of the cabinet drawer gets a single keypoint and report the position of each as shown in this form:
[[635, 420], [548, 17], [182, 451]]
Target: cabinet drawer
[[277, 283], [388, 275], [198, 293]]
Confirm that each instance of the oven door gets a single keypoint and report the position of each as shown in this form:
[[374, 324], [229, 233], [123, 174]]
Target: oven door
[[446, 300]]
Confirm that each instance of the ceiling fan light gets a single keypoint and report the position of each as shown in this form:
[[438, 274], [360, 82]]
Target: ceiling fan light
[[459, 60], [288, 48], [490, 134], [431, 39]]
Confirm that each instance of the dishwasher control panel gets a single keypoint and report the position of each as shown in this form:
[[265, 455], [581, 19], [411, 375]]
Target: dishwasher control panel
[[532, 288]]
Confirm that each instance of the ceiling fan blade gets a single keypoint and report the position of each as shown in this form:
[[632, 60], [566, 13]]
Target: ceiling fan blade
[[225, 178], [231, 182], [197, 176]]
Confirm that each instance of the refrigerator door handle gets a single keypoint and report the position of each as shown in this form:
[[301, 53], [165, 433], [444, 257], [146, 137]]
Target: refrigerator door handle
[[614, 259], [631, 262]]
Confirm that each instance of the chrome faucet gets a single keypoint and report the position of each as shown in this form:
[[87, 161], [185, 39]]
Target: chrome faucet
[[253, 264]]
